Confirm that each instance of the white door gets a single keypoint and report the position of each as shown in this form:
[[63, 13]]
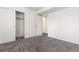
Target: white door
[[7, 25], [38, 25]]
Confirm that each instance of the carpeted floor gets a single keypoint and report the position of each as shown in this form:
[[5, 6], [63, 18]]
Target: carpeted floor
[[39, 44]]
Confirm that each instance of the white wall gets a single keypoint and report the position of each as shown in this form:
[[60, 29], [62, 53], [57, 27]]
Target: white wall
[[7, 25], [64, 25], [20, 9]]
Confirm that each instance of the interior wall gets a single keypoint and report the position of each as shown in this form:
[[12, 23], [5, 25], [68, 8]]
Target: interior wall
[[8, 23], [64, 25]]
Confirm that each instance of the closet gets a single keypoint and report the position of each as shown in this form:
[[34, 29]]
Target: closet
[[19, 24]]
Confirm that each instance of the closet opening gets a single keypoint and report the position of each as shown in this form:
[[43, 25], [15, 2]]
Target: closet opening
[[19, 25]]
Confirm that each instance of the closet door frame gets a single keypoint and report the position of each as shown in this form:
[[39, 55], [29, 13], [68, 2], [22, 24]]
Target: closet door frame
[[23, 23]]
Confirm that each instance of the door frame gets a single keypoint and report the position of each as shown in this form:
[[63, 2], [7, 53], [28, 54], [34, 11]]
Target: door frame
[[23, 24]]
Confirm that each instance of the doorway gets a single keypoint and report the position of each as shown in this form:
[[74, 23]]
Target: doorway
[[45, 22], [19, 25]]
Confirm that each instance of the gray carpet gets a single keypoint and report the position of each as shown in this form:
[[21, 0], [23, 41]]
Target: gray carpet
[[39, 44]]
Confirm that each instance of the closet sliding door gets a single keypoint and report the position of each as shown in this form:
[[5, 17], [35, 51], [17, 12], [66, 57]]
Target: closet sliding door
[[7, 25]]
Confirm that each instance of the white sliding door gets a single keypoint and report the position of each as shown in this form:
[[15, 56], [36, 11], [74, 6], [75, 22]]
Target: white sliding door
[[38, 25], [7, 25]]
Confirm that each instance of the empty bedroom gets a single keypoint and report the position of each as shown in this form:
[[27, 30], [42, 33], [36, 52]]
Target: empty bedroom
[[39, 29]]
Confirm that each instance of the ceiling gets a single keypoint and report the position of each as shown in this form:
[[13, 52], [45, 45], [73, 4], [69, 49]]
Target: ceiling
[[52, 10], [46, 10], [36, 8]]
